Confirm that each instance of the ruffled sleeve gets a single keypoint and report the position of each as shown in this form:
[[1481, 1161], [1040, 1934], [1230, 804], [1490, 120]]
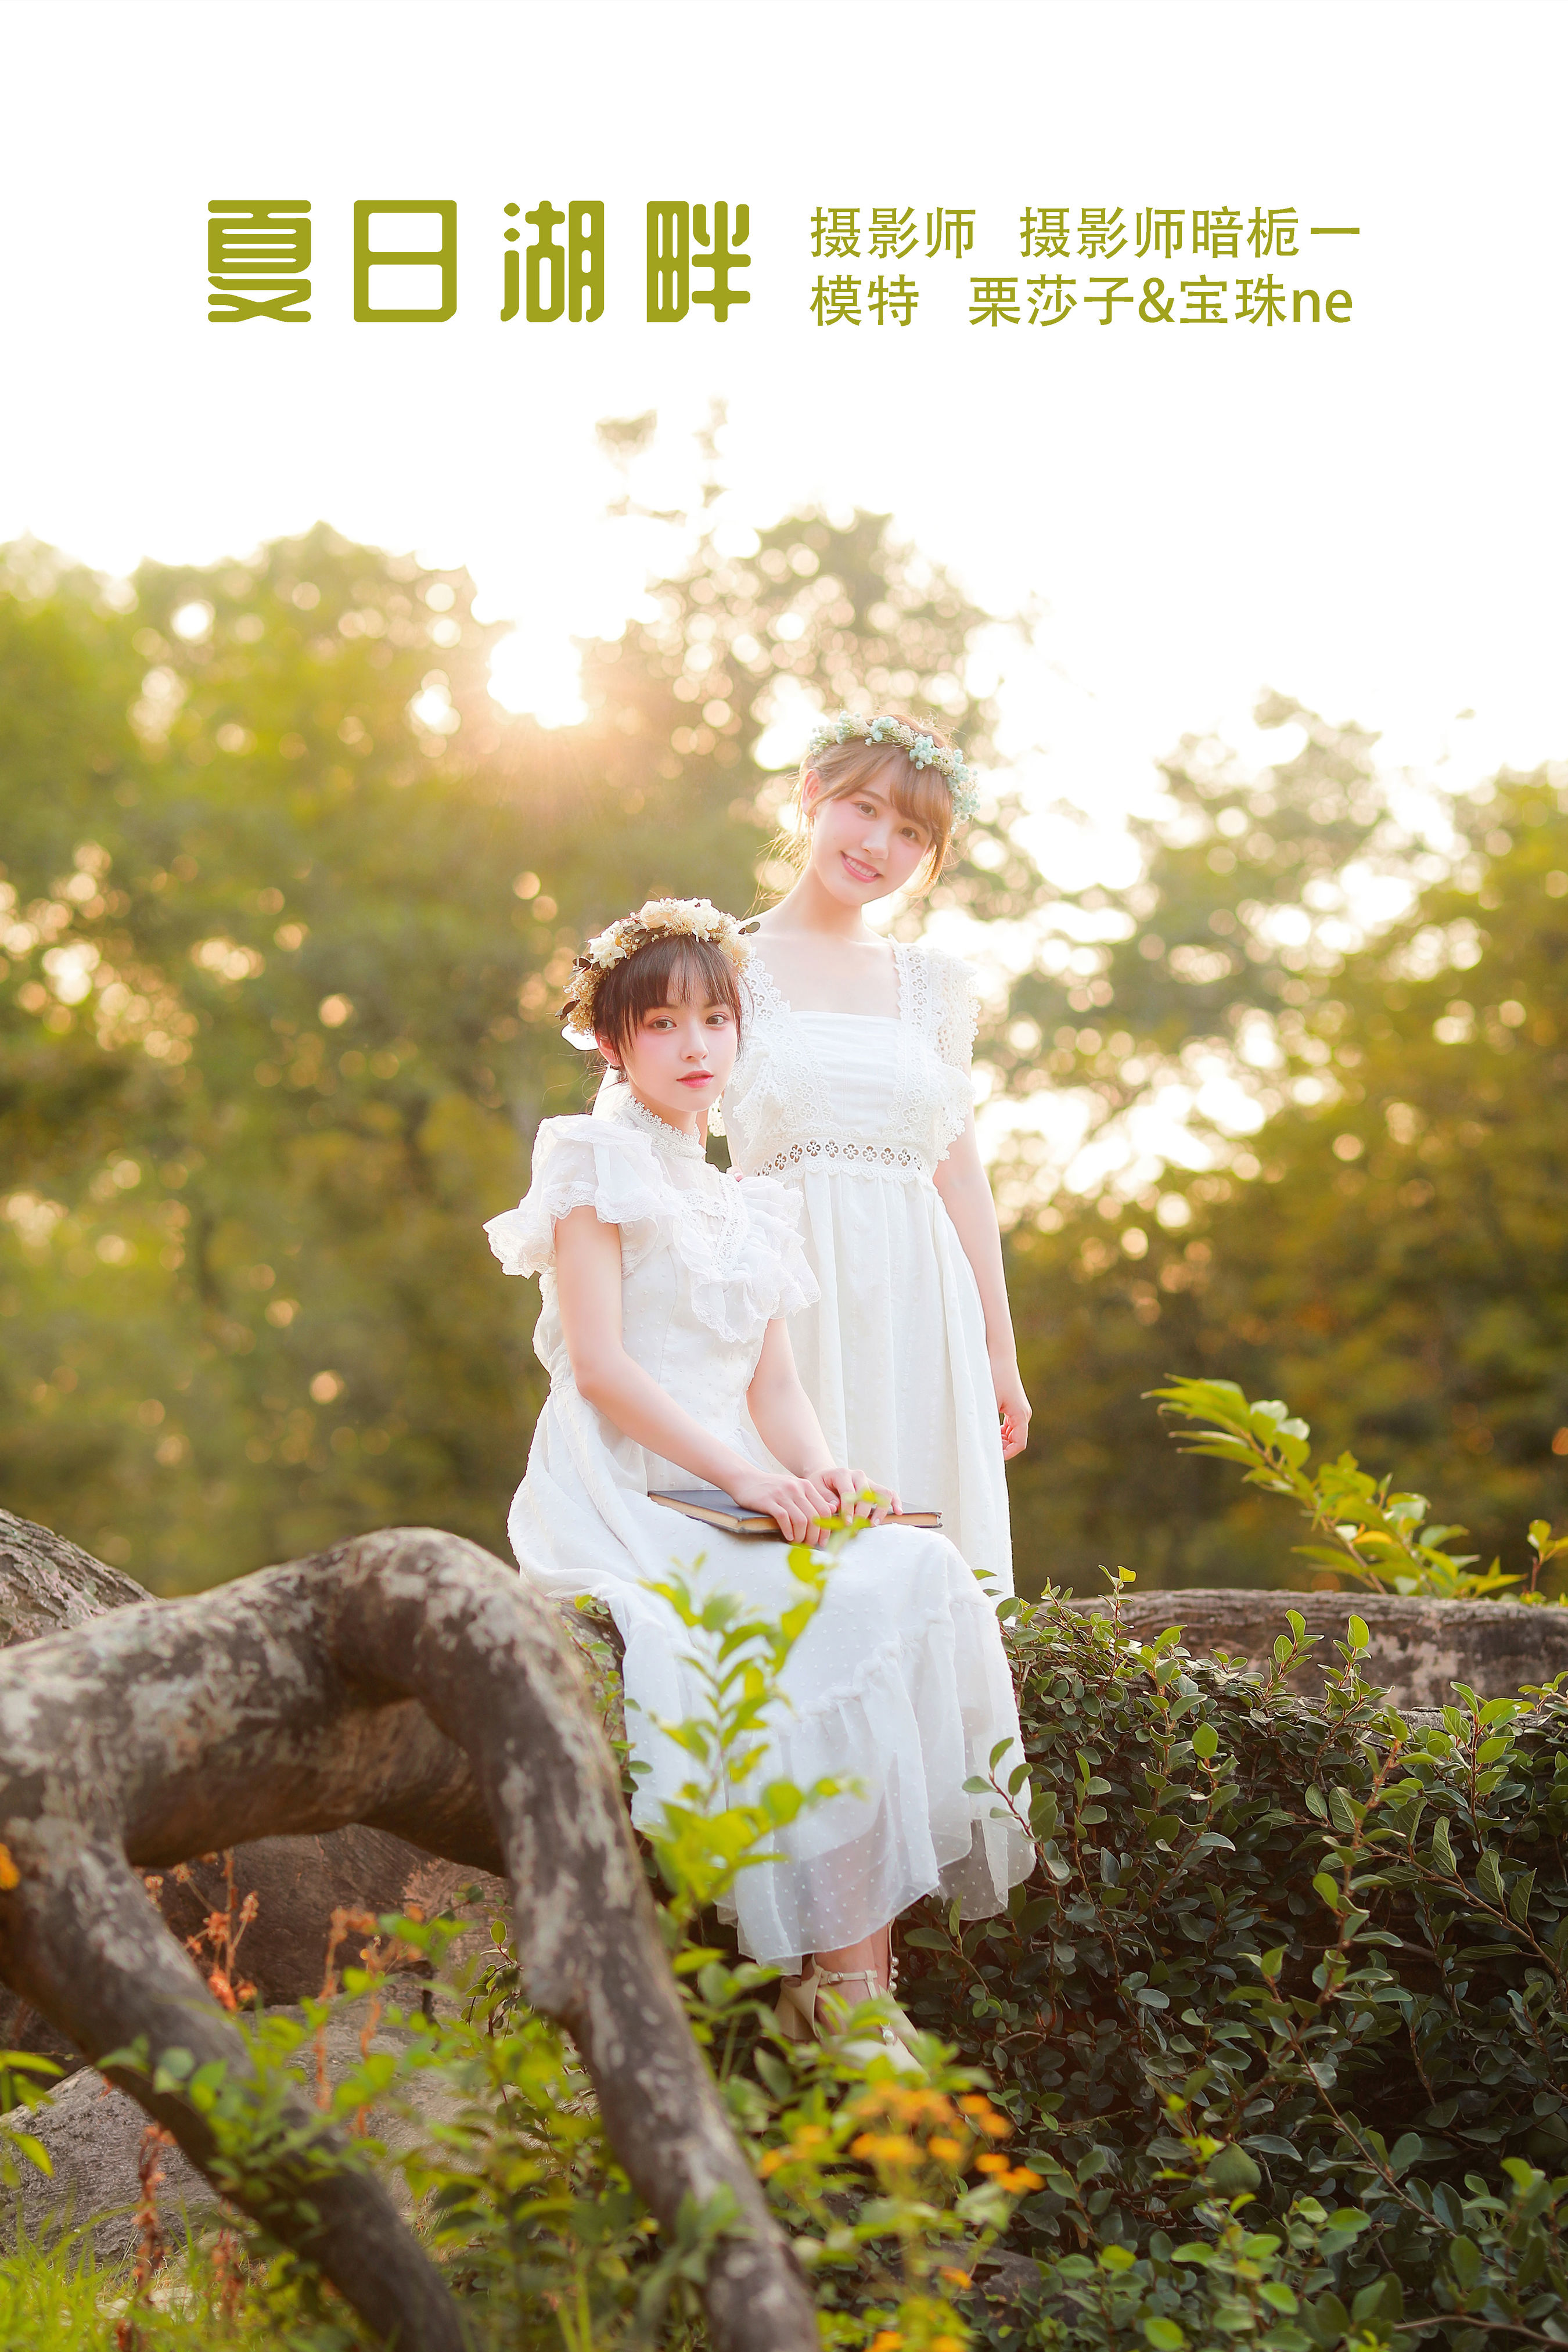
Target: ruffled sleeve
[[581, 1164], [773, 1211]]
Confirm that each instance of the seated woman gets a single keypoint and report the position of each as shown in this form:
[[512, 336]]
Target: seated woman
[[665, 1287]]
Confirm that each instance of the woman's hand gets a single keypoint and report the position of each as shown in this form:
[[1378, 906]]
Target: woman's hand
[[1012, 1404], [850, 1486], [796, 1506]]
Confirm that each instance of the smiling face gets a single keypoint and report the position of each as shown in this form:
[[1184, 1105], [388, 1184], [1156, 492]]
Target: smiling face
[[679, 1057], [863, 844]]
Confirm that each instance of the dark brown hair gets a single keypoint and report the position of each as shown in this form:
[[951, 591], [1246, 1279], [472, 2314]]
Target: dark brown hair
[[673, 968]]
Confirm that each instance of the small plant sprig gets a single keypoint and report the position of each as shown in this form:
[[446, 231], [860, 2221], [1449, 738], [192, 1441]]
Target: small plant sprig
[[1547, 1548], [24, 2078], [1379, 1538], [711, 1831]]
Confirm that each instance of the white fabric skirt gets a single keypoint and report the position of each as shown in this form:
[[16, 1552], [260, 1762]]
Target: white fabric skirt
[[893, 1356], [899, 1685]]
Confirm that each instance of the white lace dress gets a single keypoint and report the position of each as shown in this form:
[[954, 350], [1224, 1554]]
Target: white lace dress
[[854, 1111], [900, 1682]]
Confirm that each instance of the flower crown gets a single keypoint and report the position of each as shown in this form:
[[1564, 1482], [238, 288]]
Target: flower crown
[[691, 918], [923, 753]]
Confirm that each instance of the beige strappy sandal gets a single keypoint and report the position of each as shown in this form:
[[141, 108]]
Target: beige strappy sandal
[[794, 2011], [896, 2034]]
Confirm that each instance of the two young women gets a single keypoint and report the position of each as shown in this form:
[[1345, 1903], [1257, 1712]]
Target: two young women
[[863, 1230]]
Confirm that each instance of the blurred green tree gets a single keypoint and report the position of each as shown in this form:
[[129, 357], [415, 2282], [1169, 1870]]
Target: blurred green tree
[[286, 909], [1387, 1252], [287, 904]]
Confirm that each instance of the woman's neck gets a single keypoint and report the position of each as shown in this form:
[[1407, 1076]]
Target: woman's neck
[[810, 906], [683, 1121]]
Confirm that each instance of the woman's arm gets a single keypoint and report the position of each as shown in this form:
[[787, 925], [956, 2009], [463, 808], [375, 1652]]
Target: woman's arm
[[966, 1195], [588, 1288]]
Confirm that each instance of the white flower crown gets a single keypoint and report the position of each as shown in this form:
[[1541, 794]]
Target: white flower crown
[[923, 753], [691, 918]]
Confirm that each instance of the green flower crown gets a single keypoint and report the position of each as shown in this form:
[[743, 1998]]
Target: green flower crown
[[923, 753]]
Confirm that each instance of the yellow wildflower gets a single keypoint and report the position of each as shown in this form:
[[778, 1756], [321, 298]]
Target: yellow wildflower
[[991, 2163], [946, 2151]]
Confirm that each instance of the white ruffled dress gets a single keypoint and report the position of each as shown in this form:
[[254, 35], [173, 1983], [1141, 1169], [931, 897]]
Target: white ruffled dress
[[855, 1112], [899, 1683]]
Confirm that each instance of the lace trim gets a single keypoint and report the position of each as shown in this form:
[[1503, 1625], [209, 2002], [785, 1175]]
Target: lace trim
[[659, 1131], [958, 1012], [913, 969], [816, 1149], [778, 1090], [762, 988]]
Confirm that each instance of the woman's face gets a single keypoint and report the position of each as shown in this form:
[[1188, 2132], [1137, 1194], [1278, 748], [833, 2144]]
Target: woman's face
[[862, 846], [680, 1059]]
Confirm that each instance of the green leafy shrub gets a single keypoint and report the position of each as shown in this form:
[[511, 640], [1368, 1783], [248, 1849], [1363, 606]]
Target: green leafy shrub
[[1294, 1957]]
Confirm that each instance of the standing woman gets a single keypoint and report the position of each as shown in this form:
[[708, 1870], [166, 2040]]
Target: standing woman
[[853, 1084]]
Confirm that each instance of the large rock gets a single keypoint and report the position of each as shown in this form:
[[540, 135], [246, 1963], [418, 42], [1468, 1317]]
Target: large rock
[[1419, 1648]]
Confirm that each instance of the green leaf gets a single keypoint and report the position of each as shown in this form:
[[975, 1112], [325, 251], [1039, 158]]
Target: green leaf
[[1233, 2170], [1165, 2335], [1044, 1814], [1206, 1742], [1465, 2261], [32, 2150]]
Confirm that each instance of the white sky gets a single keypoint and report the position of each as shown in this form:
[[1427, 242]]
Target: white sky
[[1370, 516]]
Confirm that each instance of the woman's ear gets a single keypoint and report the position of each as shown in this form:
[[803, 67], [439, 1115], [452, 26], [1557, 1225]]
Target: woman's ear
[[609, 1051], [810, 791]]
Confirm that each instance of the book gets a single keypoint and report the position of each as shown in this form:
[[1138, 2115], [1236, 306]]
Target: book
[[720, 1510]]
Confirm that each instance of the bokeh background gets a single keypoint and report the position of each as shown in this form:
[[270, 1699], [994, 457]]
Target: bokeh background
[[302, 820]]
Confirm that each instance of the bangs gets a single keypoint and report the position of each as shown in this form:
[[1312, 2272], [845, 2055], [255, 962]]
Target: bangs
[[673, 968], [922, 794]]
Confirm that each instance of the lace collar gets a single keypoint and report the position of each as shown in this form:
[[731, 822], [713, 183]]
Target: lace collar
[[664, 1137]]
